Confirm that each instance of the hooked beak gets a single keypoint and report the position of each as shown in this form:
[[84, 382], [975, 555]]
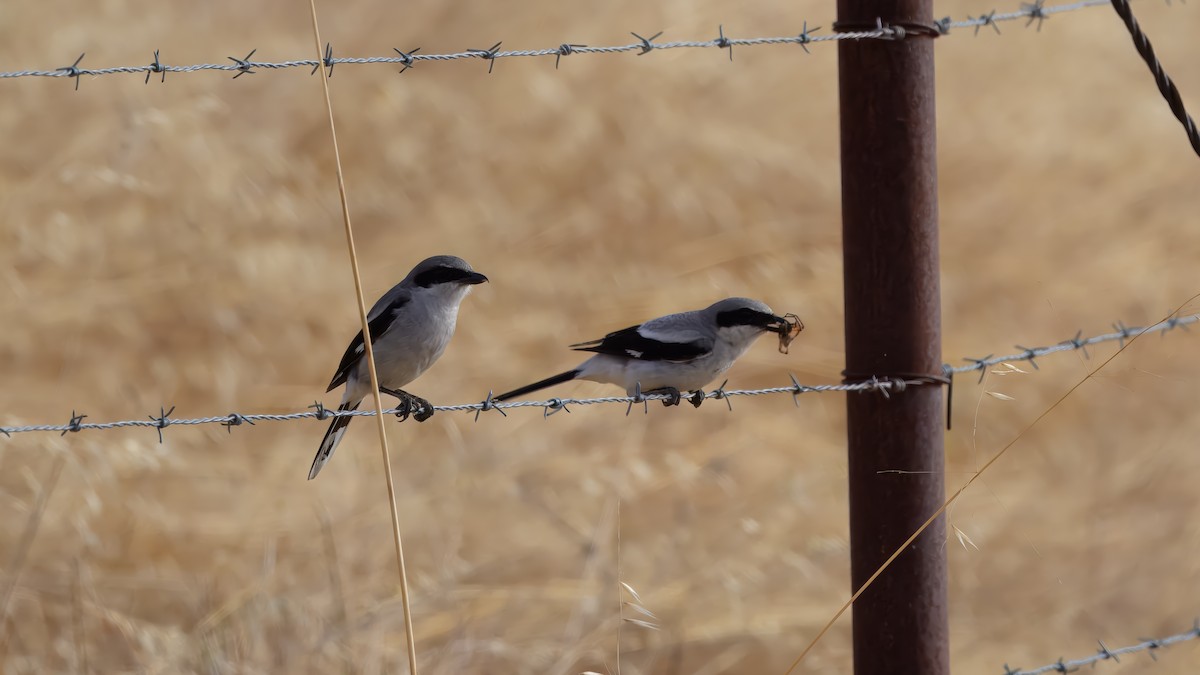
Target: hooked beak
[[777, 324], [474, 278]]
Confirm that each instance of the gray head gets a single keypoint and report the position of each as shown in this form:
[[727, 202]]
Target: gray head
[[443, 272], [744, 317]]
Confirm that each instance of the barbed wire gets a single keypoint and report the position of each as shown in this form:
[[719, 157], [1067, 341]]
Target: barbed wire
[[1166, 86], [883, 384], [1032, 12], [1104, 654]]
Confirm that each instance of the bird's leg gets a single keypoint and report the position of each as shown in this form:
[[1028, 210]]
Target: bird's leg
[[419, 408], [696, 398], [672, 392], [405, 401]]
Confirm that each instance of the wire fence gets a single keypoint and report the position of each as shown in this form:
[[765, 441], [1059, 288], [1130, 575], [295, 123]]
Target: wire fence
[[1105, 654], [885, 386], [1032, 13]]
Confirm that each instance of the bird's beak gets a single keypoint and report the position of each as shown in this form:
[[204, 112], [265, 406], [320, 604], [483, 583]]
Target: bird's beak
[[788, 323], [474, 278], [775, 324]]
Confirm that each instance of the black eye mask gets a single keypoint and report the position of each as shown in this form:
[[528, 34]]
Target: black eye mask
[[445, 275]]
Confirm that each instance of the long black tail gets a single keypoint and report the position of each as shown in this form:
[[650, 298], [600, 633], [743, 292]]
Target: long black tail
[[337, 429], [541, 384]]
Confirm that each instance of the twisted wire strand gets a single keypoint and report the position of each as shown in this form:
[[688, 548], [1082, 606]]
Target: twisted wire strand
[[1104, 654], [1165, 86], [882, 384], [1031, 12]]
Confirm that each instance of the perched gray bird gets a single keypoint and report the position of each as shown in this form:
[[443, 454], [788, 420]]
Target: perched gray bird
[[674, 353], [410, 327]]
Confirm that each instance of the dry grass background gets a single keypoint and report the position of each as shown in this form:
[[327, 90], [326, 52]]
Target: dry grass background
[[180, 245]]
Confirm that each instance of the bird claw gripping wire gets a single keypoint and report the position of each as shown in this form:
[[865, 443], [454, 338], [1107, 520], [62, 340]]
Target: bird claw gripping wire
[[236, 420], [488, 404], [156, 67], [76, 423], [73, 70], [327, 61], [647, 43], [406, 58], [696, 398], [674, 396], [489, 54], [419, 408], [565, 49], [424, 409], [162, 421], [243, 65]]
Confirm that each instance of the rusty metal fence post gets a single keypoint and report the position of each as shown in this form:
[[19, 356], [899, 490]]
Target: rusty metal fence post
[[893, 327]]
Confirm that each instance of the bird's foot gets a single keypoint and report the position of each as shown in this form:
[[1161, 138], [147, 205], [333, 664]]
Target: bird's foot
[[424, 409], [674, 397], [419, 408], [696, 398]]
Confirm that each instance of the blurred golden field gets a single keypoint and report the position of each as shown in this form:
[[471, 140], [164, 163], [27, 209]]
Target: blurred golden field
[[180, 244]]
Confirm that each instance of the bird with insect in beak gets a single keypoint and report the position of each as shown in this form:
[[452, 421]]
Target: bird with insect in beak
[[410, 326], [675, 353]]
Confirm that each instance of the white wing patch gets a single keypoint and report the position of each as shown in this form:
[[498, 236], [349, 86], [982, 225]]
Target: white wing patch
[[634, 353]]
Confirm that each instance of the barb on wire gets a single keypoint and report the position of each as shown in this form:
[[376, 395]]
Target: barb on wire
[[406, 58], [1030, 12], [328, 61], [882, 384], [1037, 12], [243, 66], [1121, 333], [156, 67], [72, 70], [805, 36], [489, 54], [1165, 86], [1105, 654]]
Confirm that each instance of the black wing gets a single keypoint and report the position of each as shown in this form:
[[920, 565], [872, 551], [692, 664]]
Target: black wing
[[630, 343], [354, 352]]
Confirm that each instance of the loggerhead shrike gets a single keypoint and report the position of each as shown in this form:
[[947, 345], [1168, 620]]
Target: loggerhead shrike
[[410, 327], [677, 352]]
